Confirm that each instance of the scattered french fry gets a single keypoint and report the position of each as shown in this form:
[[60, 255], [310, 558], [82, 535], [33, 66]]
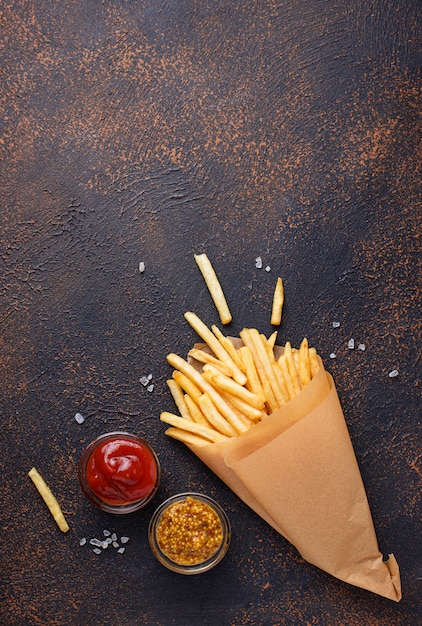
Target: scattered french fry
[[214, 416], [214, 287], [49, 499], [204, 357], [187, 385], [278, 301]]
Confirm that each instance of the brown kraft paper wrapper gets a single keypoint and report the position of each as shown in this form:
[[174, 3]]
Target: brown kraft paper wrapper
[[297, 469]]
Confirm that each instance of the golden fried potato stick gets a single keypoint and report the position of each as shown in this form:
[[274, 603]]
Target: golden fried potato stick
[[304, 364], [186, 437], [179, 398], [196, 412], [214, 416], [278, 300], [225, 383], [288, 355], [313, 361], [285, 373], [253, 382], [192, 427], [228, 346], [214, 287], [48, 497], [187, 385], [272, 339], [213, 343], [186, 368], [204, 357]]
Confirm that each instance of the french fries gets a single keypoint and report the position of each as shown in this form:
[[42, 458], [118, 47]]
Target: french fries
[[214, 287], [49, 499], [278, 301], [224, 393]]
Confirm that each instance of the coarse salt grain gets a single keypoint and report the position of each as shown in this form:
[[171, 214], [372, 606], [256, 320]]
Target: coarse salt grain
[[144, 380], [150, 388], [268, 268], [336, 324], [82, 542], [393, 373], [124, 539], [351, 344], [97, 550], [121, 550], [114, 537], [106, 533], [258, 262], [115, 544], [333, 355], [142, 267], [79, 418], [362, 347]]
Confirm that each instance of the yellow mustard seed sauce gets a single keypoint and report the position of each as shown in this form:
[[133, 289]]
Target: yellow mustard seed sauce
[[189, 532]]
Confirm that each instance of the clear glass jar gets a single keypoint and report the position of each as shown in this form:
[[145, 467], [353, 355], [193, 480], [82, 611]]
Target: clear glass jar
[[119, 473], [189, 533]]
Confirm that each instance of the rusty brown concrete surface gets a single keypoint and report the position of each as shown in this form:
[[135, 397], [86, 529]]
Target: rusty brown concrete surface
[[153, 130]]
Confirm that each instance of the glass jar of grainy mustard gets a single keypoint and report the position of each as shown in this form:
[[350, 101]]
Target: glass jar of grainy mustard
[[189, 533]]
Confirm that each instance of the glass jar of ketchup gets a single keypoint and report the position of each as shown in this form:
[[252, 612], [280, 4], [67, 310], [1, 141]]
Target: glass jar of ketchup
[[119, 472]]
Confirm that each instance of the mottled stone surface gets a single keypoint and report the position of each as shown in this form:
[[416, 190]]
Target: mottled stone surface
[[150, 131]]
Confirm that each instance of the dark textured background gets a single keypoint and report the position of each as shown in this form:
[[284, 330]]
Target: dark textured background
[[149, 131]]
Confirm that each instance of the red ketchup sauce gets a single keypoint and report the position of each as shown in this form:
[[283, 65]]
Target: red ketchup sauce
[[121, 471]]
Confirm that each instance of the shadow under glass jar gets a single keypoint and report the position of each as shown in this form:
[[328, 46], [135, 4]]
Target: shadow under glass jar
[[189, 533], [119, 472]]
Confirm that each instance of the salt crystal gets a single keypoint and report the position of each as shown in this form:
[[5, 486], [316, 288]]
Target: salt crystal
[[142, 267], [149, 376], [79, 418], [336, 324], [82, 541], [124, 539], [362, 347], [393, 373], [150, 388], [121, 550], [268, 268], [109, 540], [97, 550], [115, 544], [106, 533], [95, 542], [351, 344], [104, 545], [333, 355], [258, 262], [144, 380], [114, 537]]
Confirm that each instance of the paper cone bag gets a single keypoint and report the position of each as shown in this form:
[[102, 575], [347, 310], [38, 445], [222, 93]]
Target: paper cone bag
[[298, 471]]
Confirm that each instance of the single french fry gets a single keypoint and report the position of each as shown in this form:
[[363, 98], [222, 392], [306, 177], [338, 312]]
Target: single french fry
[[187, 385], [288, 354], [243, 417], [285, 373], [179, 398], [189, 425], [253, 382], [186, 437], [246, 409], [278, 300], [214, 287], [304, 364], [261, 347], [228, 346], [211, 340], [183, 366], [196, 412], [314, 363], [204, 357], [272, 339], [228, 384], [214, 416], [49, 499]]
